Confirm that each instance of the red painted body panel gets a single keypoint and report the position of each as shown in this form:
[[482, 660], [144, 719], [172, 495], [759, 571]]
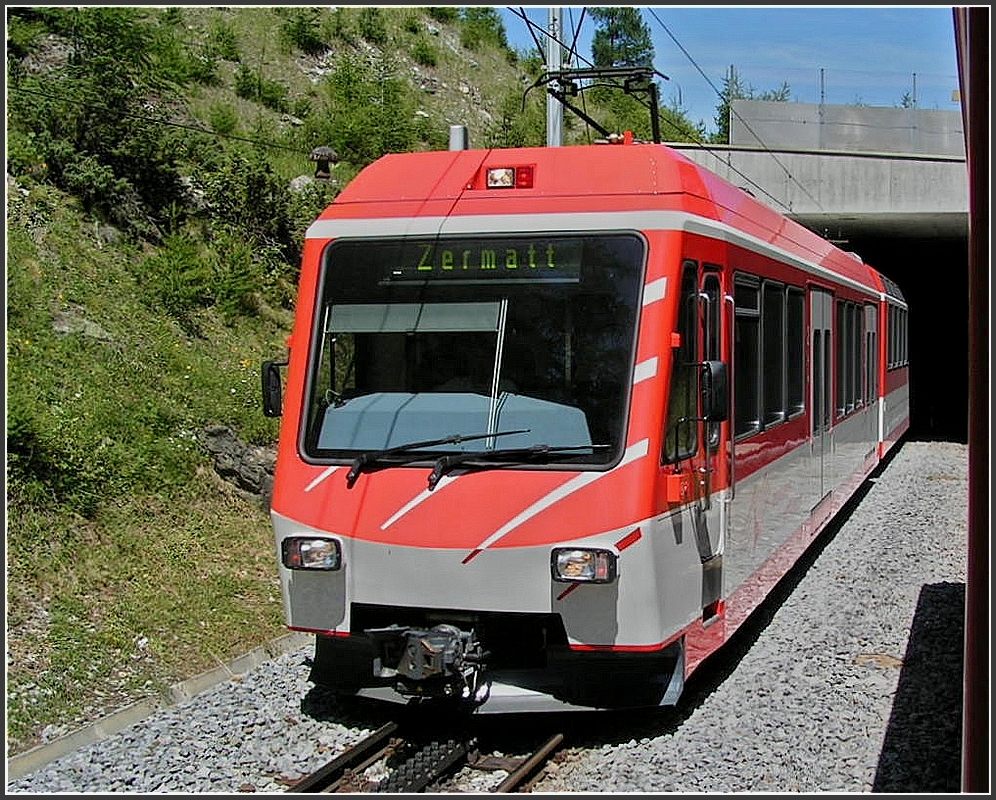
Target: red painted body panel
[[472, 506], [895, 379]]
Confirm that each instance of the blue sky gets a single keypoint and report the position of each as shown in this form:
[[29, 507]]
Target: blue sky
[[867, 54]]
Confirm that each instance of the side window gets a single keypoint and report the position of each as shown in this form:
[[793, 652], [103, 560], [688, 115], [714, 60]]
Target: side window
[[747, 355], [898, 359], [773, 338], [859, 338], [681, 433], [897, 344], [893, 312], [822, 322], [796, 354], [871, 356], [711, 332], [711, 320], [906, 329], [900, 325], [818, 384], [770, 353], [841, 359], [849, 360], [851, 357]]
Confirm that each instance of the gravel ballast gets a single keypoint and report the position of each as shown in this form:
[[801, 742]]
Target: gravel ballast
[[851, 681]]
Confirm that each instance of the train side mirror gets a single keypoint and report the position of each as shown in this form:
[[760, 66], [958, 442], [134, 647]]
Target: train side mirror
[[272, 388], [715, 392]]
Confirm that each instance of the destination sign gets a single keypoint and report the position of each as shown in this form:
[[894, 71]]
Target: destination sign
[[507, 260]]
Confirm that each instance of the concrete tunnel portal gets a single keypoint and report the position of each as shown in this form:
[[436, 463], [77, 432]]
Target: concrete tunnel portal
[[904, 213]]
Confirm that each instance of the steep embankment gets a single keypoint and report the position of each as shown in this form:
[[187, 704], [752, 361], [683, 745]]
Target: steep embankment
[[158, 185]]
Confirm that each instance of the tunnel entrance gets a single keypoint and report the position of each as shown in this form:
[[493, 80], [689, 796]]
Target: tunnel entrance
[[933, 275]]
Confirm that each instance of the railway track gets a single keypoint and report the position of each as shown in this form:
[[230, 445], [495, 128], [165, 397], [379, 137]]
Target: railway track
[[417, 762]]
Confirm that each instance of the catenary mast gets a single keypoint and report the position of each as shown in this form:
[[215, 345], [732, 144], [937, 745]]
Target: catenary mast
[[554, 110]]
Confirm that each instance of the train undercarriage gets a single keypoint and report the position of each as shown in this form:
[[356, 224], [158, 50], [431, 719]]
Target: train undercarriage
[[489, 663]]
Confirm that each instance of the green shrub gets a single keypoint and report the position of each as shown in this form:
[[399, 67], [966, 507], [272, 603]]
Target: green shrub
[[301, 106], [445, 14], [243, 272], [251, 85], [247, 83], [223, 41], [95, 183], [244, 192], [302, 29], [172, 16], [24, 155], [23, 35], [307, 204], [178, 61], [179, 66], [203, 69], [95, 124], [338, 25], [423, 52], [371, 111], [372, 25], [234, 275], [412, 22], [223, 118], [480, 25], [177, 279], [513, 127]]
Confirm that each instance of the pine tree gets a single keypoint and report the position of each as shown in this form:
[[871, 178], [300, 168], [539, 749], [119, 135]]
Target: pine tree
[[734, 88], [622, 38]]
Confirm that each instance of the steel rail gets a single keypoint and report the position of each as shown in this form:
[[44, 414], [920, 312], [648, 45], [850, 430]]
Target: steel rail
[[322, 778], [526, 769]]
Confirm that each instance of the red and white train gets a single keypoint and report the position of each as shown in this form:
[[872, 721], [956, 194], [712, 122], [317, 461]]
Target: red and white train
[[557, 419]]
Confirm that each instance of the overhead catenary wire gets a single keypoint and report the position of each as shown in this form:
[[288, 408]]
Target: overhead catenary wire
[[719, 94], [533, 26]]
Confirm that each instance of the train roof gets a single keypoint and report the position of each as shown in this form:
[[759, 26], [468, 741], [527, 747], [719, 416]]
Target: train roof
[[577, 179]]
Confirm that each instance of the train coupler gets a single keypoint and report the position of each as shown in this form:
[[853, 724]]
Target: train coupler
[[442, 662]]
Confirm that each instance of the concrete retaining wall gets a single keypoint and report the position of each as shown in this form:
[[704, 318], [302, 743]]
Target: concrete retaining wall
[[867, 129]]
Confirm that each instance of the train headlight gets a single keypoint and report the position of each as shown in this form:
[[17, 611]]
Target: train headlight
[[310, 552], [519, 177], [583, 565]]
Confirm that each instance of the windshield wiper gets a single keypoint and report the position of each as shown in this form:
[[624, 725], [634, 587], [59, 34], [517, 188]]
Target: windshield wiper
[[511, 454], [365, 461]]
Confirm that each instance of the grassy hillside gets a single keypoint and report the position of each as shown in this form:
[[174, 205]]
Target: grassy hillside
[[158, 188], [130, 563], [152, 239]]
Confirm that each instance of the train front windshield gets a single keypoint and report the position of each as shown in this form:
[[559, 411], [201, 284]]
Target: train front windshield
[[505, 342]]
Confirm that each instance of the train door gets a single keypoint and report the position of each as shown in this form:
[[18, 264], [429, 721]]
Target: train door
[[694, 444], [821, 345], [714, 453], [715, 456]]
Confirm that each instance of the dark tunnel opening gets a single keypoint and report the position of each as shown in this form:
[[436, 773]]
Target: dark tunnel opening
[[933, 275]]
